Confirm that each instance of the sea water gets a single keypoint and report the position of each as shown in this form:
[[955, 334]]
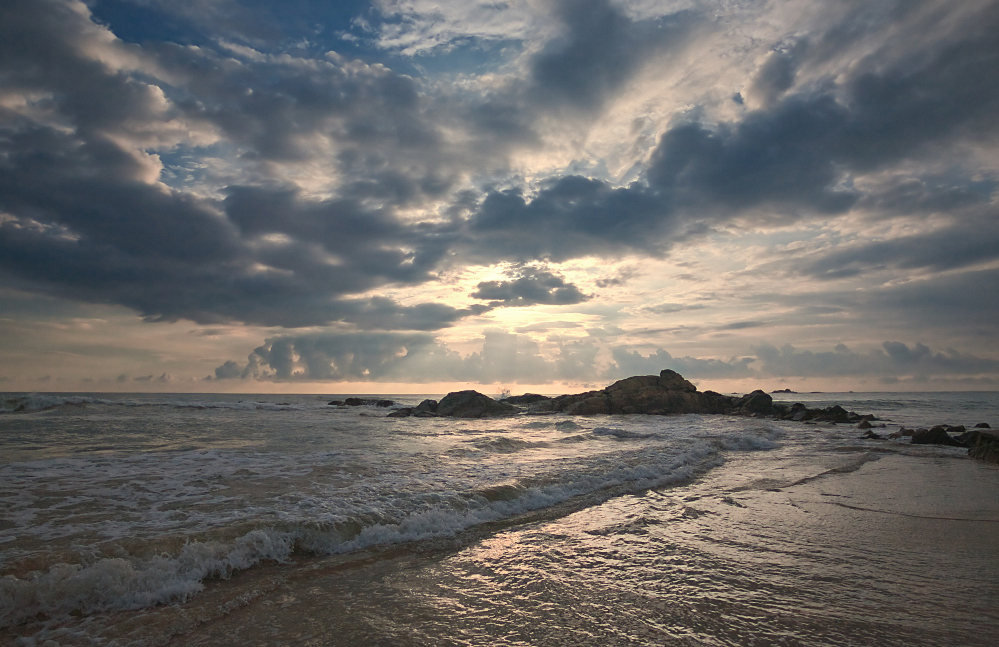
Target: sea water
[[217, 519]]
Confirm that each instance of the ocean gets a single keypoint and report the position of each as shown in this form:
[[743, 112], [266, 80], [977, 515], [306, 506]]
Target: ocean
[[140, 519]]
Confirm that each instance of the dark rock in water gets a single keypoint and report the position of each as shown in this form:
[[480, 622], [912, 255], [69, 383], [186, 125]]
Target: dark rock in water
[[662, 394], [935, 436], [783, 391], [834, 413], [903, 431], [895, 435], [404, 412], [873, 436], [798, 412], [426, 408], [357, 402], [984, 445], [957, 429], [983, 425], [589, 406], [864, 424], [756, 402], [527, 398], [472, 404], [335, 403]]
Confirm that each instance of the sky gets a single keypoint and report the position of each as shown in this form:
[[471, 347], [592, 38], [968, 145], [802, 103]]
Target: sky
[[415, 196]]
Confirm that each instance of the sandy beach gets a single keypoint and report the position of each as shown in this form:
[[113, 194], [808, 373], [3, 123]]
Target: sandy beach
[[857, 549]]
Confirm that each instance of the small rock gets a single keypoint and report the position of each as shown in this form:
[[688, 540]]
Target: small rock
[[864, 424], [404, 412], [983, 425], [335, 403]]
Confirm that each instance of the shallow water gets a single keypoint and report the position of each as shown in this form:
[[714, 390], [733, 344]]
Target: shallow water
[[332, 527]]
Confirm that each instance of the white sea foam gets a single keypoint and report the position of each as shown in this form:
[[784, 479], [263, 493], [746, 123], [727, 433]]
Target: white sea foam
[[130, 583], [102, 529], [617, 433], [33, 402]]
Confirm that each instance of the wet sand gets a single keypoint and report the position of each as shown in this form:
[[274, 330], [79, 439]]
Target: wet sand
[[839, 550]]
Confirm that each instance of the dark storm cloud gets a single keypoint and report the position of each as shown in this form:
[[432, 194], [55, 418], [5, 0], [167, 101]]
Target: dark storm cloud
[[529, 286], [597, 52], [81, 217], [777, 74], [966, 301], [572, 217], [963, 245], [795, 156]]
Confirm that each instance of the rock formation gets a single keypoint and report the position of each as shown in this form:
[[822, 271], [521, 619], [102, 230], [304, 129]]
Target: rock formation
[[472, 404], [935, 436], [983, 444]]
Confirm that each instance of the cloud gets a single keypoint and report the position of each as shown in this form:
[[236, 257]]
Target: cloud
[[777, 74], [670, 308], [629, 363], [419, 27], [620, 278], [796, 156], [529, 286], [83, 215], [516, 358], [415, 357], [230, 175], [894, 358], [963, 244], [545, 326], [596, 51], [574, 216]]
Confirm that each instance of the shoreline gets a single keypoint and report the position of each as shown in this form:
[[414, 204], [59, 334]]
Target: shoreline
[[924, 507], [396, 596]]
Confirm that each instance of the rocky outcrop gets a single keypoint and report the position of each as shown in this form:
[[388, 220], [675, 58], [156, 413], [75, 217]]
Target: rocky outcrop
[[426, 408], [661, 394], [472, 404], [983, 444], [756, 402], [934, 436], [669, 393]]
